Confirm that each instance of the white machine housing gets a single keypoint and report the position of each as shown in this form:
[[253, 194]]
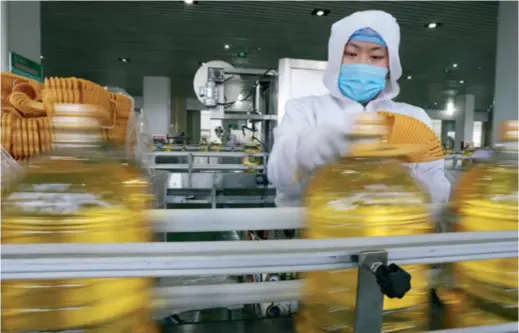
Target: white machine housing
[[298, 78]]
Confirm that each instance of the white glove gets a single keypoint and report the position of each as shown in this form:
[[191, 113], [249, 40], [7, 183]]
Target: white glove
[[321, 145]]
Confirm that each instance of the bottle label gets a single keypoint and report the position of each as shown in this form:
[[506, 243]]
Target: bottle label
[[53, 199]]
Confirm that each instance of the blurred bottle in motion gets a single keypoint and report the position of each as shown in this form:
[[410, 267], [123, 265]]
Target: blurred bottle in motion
[[365, 194], [78, 193], [484, 292]]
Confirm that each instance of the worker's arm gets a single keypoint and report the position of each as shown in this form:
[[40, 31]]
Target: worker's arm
[[300, 147], [283, 165], [431, 175]]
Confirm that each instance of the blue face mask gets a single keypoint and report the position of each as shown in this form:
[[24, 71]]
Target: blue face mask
[[362, 82]]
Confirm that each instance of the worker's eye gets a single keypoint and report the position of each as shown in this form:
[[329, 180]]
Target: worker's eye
[[377, 57], [350, 54]]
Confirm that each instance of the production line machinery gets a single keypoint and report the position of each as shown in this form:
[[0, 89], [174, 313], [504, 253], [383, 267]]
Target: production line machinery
[[205, 178], [64, 261], [214, 179]]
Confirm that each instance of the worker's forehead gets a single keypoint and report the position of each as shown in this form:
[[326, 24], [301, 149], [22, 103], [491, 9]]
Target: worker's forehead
[[364, 45]]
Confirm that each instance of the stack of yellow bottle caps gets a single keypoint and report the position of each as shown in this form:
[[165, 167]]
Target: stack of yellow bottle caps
[[121, 107], [26, 130], [25, 112]]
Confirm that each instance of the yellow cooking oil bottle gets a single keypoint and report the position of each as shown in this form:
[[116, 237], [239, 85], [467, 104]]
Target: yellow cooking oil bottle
[[365, 194], [77, 193], [484, 292]]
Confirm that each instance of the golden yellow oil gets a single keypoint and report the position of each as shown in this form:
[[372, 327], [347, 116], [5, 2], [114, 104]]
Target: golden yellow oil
[[485, 291], [77, 199], [363, 197]]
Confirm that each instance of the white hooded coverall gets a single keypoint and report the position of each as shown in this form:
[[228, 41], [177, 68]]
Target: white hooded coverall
[[294, 135]]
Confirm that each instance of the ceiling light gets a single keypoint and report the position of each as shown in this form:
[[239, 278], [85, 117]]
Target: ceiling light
[[461, 81], [189, 2], [320, 12], [435, 103], [409, 77], [42, 57], [454, 65], [124, 60], [226, 46], [433, 25]]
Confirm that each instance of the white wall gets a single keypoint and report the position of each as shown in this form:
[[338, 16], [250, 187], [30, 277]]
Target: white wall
[[157, 104]]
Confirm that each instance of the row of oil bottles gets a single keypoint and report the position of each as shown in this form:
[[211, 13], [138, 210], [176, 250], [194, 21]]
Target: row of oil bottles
[[83, 193], [369, 193]]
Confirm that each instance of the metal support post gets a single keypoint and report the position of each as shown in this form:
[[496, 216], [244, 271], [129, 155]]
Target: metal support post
[[374, 280], [370, 300], [454, 162]]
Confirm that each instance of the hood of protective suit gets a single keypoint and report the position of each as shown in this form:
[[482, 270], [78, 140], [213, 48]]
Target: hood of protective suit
[[386, 26]]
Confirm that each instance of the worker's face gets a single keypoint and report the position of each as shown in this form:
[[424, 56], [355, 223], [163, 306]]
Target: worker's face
[[357, 52]]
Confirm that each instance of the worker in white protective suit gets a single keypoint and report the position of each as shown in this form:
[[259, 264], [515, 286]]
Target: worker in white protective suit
[[361, 76]]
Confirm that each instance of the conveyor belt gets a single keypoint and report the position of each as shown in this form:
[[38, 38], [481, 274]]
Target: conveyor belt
[[280, 325]]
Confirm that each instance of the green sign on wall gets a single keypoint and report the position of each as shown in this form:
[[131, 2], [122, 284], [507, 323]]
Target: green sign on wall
[[22, 66]]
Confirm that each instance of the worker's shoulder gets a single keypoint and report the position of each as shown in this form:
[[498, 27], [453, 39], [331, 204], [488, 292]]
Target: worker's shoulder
[[411, 111]]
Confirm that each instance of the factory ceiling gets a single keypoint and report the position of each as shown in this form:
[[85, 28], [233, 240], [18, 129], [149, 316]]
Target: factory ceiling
[[93, 40]]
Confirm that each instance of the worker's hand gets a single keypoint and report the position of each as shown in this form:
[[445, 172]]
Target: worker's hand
[[321, 145]]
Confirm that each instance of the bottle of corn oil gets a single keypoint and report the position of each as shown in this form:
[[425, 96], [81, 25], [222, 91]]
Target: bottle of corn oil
[[365, 194], [484, 292], [77, 194]]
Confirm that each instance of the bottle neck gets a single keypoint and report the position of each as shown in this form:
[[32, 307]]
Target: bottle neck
[[74, 134]]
